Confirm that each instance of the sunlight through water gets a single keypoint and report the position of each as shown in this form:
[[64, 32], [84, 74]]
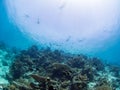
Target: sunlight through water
[[76, 26]]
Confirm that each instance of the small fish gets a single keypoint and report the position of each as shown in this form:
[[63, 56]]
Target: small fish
[[62, 6], [27, 16], [38, 21], [81, 40], [68, 39]]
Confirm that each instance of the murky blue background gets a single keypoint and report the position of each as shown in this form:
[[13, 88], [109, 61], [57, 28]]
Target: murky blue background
[[11, 35], [9, 32]]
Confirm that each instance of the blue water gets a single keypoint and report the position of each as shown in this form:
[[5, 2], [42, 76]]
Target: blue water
[[12, 35], [9, 32]]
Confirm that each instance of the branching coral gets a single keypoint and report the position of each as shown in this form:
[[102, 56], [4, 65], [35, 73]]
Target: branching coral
[[56, 70], [103, 87]]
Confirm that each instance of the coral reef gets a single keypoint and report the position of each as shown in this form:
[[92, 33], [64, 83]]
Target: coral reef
[[46, 69], [77, 61], [61, 71], [103, 87], [6, 58], [97, 64]]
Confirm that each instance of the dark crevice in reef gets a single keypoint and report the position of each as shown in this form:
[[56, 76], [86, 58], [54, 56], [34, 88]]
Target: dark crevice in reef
[[45, 69]]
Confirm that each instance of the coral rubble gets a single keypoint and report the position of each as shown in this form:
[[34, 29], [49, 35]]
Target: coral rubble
[[46, 69]]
